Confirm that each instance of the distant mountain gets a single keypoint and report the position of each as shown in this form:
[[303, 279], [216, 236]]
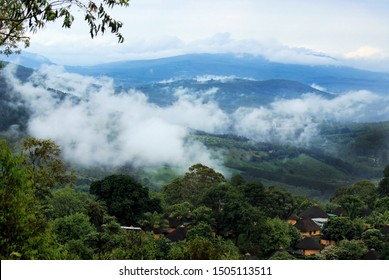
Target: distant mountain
[[333, 78], [231, 93], [27, 59]]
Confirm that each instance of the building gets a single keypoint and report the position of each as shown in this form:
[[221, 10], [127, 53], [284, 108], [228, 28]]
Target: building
[[308, 246], [308, 227]]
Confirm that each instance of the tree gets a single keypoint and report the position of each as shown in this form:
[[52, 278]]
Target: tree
[[24, 232], [352, 204], [46, 168], [383, 186], [18, 17], [125, 198], [66, 201], [364, 190], [192, 186], [339, 228], [277, 234]]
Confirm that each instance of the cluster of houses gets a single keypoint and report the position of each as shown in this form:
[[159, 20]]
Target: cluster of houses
[[310, 223]]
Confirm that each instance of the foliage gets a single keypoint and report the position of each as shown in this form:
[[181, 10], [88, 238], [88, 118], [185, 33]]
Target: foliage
[[364, 190], [193, 185], [66, 201], [339, 228], [24, 232], [124, 197], [282, 255], [19, 17], [277, 234], [46, 168], [346, 250], [383, 186]]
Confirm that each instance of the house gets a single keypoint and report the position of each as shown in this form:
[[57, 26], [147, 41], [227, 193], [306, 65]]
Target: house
[[326, 241], [308, 246], [292, 219], [316, 214], [178, 234], [308, 227]]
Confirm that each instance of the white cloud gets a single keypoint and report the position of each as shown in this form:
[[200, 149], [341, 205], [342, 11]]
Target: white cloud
[[365, 52], [106, 128]]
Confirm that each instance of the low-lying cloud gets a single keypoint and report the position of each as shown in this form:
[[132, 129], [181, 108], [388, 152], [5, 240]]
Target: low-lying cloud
[[102, 127], [95, 125]]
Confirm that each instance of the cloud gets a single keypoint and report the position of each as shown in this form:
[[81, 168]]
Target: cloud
[[297, 121], [102, 127], [365, 52], [94, 125]]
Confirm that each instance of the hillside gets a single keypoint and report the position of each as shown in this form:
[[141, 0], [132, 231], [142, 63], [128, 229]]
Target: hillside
[[333, 78]]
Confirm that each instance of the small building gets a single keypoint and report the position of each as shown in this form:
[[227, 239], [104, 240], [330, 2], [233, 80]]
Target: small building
[[178, 234], [309, 246], [307, 227], [326, 241], [292, 219], [314, 212]]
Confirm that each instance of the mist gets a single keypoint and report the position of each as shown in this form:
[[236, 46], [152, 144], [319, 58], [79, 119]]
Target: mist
[[97, 126]]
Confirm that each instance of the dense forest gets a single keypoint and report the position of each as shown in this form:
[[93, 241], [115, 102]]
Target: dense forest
[[200, 215]]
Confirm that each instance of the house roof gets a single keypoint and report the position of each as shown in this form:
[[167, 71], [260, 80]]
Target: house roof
[[308, 243], [314, 212], [177, 235], [293, 217], [173, 222], [306, 225]]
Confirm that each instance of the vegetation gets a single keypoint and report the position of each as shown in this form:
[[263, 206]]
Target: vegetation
[[44, 217], [18, 17]]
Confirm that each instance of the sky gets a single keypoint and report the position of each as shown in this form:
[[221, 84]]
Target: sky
[[354, 33]]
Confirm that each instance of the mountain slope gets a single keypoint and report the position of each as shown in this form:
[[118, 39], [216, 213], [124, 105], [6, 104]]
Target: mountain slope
[[334, 78]]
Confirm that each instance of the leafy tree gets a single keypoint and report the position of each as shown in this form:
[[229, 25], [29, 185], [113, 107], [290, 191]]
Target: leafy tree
[[66, 201], [18, 17], [202, 214], [282, 255], [24, 232], [180, 211], [200, 230], [278, 203], [352, 204], [383, 186], [46, 168], [339, 228], [364, 190], [254, 192], [373, 239], [346, 250], [124, 197], [277, 234], [193, 185], [150, 221]]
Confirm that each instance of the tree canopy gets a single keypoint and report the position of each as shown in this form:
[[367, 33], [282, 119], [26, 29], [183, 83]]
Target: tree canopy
[[18, 18]]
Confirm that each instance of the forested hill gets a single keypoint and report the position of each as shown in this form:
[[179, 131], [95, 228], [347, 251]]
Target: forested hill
[[333, 78]]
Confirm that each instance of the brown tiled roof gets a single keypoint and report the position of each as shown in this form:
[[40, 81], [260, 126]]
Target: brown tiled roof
[[308, 243], [306, 225], [313, 212]]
